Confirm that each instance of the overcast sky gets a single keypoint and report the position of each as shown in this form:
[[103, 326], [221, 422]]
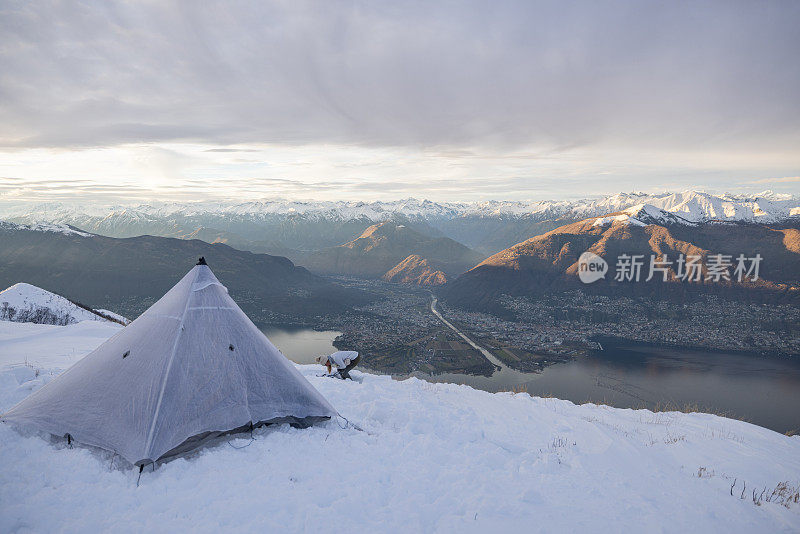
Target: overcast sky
[[367, 100]]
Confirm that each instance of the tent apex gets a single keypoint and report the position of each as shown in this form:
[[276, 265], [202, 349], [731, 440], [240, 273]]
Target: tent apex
[[202, 261]]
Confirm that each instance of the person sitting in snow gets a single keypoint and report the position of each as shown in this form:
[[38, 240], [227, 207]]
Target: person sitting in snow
[[343, 360]]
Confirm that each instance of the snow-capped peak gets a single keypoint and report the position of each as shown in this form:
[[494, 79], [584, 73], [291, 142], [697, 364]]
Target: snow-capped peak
[[26, 303], [642, 215], [625, 218], [649, 214], [644, 209]]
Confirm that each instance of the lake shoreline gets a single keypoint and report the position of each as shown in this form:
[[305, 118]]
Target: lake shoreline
[[622, 342]]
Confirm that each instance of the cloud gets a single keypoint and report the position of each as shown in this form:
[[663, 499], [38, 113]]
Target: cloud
[[413, 74], [467, 100], [231, 150], [176, 171], [784, 180]]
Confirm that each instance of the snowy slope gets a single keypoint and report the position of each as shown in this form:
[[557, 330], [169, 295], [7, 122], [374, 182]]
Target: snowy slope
[[113, 315], [30, 304], [38, 226], [432, 458]]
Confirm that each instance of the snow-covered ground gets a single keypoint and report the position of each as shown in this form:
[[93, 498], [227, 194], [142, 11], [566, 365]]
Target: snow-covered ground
[[432, 457]]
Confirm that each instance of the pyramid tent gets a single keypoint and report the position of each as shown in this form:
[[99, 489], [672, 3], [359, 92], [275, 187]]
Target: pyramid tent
[[192, 366]]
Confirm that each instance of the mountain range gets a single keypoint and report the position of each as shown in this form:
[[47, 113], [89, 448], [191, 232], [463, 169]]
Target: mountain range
[[550, 262], [280, 226], [386, 247], [130, 274], [409, 241]]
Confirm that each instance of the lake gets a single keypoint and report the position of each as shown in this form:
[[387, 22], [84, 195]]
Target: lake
[[301, 345], [764, 390]]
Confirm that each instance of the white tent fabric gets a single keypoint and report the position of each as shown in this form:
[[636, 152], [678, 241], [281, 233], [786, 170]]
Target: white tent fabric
[[192, 363]]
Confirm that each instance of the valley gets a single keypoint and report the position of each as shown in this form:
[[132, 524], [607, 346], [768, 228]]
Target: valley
[[400, 335]]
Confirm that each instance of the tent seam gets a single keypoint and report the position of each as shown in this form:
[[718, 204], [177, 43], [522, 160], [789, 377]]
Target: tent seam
[[166, 375]]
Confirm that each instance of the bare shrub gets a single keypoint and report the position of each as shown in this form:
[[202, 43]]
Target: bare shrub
[[784, 493]]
